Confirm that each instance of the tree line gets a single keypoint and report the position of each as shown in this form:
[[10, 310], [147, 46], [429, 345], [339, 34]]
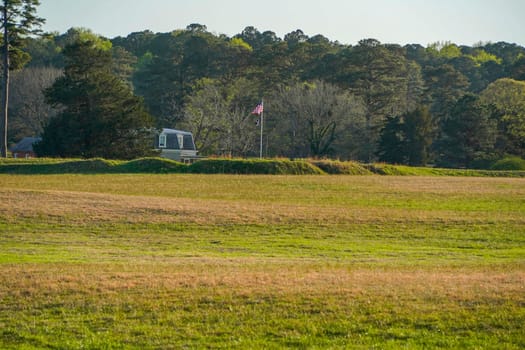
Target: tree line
[[444, 104]]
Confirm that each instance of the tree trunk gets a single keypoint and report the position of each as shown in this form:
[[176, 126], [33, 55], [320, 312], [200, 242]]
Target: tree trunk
[[5, 90]]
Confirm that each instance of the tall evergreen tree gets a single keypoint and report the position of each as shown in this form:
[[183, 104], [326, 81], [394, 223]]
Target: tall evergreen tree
[[379, 76], [392, 148], [468, 134], [18, 20], [419, 130], [100, 117], [406, 139], [446, 86]]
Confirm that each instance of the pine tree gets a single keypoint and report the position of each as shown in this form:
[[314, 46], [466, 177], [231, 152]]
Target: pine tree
[[406, 139], [18, 20], [378, 76], [100, 117], [469, 134], [419, 130], [391, 146]]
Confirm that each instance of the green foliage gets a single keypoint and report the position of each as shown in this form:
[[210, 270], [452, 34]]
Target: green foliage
[[337, 167], [100, 117], [21, 22], [253, 166], [90, 166], [56, 166], [238, 42], [446, 50], [509, 163], [481, 56], [45, 52], [468, 134], [37, 166], [518, 68], [167, 70], [83, 35], [402, 170], [407, 139], [446, 86], [18, 21], [507, 96], [151, 166], [392, 142], [159, 165], [179, 60], [378, 76], [485, 162]]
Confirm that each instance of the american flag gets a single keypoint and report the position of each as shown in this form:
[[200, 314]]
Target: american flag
[[258, 109]]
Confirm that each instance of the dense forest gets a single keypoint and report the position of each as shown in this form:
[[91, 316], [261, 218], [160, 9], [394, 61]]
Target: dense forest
[[444, 104]]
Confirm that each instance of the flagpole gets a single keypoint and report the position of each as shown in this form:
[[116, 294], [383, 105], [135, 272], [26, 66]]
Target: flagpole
[[262, 124]]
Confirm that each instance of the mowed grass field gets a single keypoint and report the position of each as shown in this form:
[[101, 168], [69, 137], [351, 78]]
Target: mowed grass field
[[223, 261]]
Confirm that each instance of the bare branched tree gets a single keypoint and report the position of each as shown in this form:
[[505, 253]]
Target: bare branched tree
[[28, 109], [315, 116]]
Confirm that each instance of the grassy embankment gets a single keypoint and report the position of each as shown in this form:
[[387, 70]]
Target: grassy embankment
[[237, 166], [198, 261]]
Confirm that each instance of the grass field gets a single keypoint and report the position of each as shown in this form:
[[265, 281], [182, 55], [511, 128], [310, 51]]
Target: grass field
[[220, 261]]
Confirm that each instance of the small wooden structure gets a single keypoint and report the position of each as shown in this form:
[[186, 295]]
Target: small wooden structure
[[24, 148]]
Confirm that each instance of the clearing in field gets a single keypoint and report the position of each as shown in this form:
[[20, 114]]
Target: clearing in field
[[218, 261]]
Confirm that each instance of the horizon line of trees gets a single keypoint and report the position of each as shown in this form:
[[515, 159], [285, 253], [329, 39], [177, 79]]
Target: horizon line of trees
[[444, 104]]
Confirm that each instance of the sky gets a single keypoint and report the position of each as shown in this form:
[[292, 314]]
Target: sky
[[463, 22]]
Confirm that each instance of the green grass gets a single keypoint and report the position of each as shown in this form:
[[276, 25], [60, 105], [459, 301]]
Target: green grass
[[136, 261], [506, 168], [403, 170], [157, 165], [341, 168]]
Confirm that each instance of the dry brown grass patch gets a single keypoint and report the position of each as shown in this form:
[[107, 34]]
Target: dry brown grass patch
[[254, 277], [83, 207]]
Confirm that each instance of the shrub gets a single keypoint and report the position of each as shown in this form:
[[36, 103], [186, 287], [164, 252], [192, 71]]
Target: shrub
[[244, 166], [95, 165], [59, 166], [253, 166], [340, 168], [509, 163], [152, 165]]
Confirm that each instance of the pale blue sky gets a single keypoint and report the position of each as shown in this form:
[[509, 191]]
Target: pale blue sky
[[347, 21]]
